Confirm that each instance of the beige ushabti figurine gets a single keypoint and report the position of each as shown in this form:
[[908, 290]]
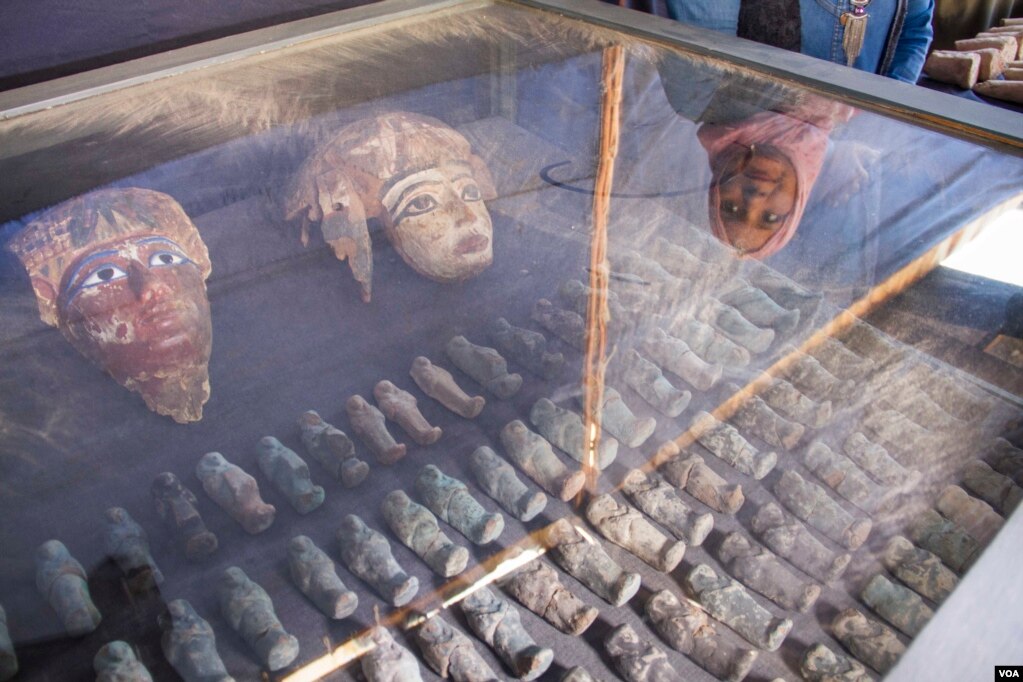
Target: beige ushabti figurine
[[636, 659], [974, 516], [729, 602], [647, 379], [728, 444], [567, 325], [789, 401], [401, 407], [438, 383], [314, 574], [732, 324], [497, 478], [760, 309], [584, 559], [450, 653], [451, 500], [538, 587], [678, 358], [869, 641], [485, 365], [534, 455], [626, 527], [995, 488], [810, 503], [526, 347], [947, 539], [881, 466], [290, 475], [842, 475], [248, 609], [235, 491], [821, 664], [920, 570], [694, 476], [789, 539], [387, 661], [332, 448], [417, 528], [658, 500], [565, 430], [760, 570], [710, 344], [369, 425], [496, 622], [756, 416]]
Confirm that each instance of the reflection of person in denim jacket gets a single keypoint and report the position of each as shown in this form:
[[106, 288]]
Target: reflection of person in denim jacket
[[898, 31]]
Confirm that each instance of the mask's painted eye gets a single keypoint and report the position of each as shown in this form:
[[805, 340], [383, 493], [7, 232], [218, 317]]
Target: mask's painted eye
[[103, 274], [162, 258], [424, 203], [471, 192]]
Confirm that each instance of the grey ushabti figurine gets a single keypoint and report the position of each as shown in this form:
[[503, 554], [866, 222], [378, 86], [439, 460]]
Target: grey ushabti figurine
[[950, 542], [534, 455], [388, 661], [728, 444], [760, 309], [789, 401], [8, 659], [790, 540], [586, 561], [729, 602], [189, 644], [682, 263], [904, 438], [176, 505], [842, 475], [760, 570], [627, 528], [694, 476], [646, 379], [868, 341], [785, 292], [920, 408], [565, 430], [485, 365], [876, 461], [688, 629], [401, 407], [290, 475], [710, 344], [450, 653], [636, 659], [367, 554], [526, 347], [314, 574], [496, 622], [678, 358], [808, 502], [537, 587], [497, 478], [567, 325], [732, 324], [840, 361], [810, 377], [116, 662], [437, 382], [617, 419], [369, 425], [974, 516], [331, 447], [235, 491], [417, 528], [869, 641], [900, 606], [450, 500], [1007, 459], [126, 543], [63, 583], [757, 417], [821, 664], [921, 570], [947, 390], [576, 297], [658, 500], [996, 489], [247, 608], [577, 674]]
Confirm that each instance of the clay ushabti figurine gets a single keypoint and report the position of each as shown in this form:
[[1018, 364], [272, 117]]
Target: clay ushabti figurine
[[921, 570], [568, 326], [437, 382], [189, 644], [116, 662], [952, 544], [732, 324], [538, 587], [451, 500], [577, 674], [247, 608], [8, 659], [898, 605], [369, 425], [840, 474], [626, 527], [526, 347], [649, 382], [496, 622], [682, 263], [122, 273], [757, 417], [760, 570], [729, 602], [450, 653], [586, 561], [840, 361], [785, 292], [906, 439], [920, 408], [869, 641], [948, 392], [565, 430], [636, 659], [367, 554], [235, 491], [388, 661], [290, 475], [789, 401], [974, 516], [647, 269], [314, 574], [1007, 459], [994, 488], [400, 406], [760, 309], [127, 545], [675, 356], [728, 444], [821, 664], [617, 419], [876, 461], [808, 502], [417, 528], [485, 365], [869, 342], [576, 297], [175, 504], [811, 378], [497, 478], [790, 540], [534, 455], [64, 585], [687, 629], [710, 344], [658, 500], [332, 448], [703, 483]]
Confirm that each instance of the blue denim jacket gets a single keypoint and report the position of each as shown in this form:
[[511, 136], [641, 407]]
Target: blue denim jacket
[[898, 31]]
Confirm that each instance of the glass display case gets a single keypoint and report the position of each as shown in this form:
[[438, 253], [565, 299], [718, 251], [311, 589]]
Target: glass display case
[[491, 340]]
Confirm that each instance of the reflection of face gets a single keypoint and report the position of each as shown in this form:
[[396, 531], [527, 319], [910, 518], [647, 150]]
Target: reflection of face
[[438, 222], [136, 306], [756, 194]]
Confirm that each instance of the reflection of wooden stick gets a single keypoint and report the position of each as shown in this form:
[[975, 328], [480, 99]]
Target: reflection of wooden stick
[[596, 310]]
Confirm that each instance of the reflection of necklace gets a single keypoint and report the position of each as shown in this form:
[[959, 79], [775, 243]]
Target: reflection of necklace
[[855, 23]]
